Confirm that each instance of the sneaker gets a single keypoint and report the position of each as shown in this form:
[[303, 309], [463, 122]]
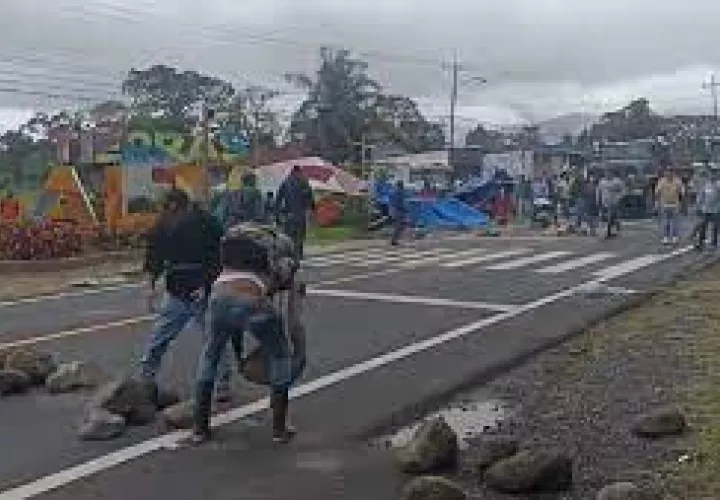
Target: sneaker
[[666, 241], [675, 240]]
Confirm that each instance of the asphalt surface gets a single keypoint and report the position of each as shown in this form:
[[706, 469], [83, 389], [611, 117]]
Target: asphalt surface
[[389, 329]]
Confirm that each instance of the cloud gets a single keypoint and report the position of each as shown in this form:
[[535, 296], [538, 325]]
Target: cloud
[[541, 57]]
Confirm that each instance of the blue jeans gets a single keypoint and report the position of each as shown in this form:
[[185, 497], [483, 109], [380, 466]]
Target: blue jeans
[[230, 317], [669, 217], [174, 315]]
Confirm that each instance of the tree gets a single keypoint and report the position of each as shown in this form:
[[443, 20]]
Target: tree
[[173, 94], [634, 121], [249, 114], [398, 119], [339, 105], [490, 141]]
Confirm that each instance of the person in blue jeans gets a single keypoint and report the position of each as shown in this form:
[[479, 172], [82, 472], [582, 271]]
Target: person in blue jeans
[[184, 248], [239, 303]]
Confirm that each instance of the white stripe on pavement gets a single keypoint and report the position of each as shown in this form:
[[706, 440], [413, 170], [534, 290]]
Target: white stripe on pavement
[[526, 261], [485, 258], [401, 258], [444, 257], [113, 459], [577, 263], [629, 266], [343, 258], [410, 299]]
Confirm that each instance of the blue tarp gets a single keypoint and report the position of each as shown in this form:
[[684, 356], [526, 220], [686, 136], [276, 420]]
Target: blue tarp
[[431, 213]]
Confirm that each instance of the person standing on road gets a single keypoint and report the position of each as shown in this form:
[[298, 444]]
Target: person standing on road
[[611, 192], [398, 212], [669, 194], [294, 203], [184, 248], [241, 302], [589, 206], [708, 210]]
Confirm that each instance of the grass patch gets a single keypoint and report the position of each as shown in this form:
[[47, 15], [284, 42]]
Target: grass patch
[[328, 235]]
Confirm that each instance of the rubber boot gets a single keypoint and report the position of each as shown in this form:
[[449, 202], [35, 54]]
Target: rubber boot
[[282, 433]]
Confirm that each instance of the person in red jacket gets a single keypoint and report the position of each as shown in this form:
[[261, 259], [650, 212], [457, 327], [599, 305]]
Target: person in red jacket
[[10, 208]]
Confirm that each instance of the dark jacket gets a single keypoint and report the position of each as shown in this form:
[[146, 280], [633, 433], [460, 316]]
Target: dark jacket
[[295, 197], [185, 247], [398, 202]]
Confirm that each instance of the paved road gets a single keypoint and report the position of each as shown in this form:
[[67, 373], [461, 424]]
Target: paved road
[[388, 329]]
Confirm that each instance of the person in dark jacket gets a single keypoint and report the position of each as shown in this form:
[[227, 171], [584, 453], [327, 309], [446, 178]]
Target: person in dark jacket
[[398, 212], [244, 204], [294, 202], [184, 249]]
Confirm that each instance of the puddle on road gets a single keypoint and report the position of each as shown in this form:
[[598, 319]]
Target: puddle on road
[[468, 419]]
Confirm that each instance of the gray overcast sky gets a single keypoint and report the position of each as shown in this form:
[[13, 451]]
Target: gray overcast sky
[[541, 57]]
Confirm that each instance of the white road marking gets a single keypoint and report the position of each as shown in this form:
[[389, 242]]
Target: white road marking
[[526, 261], [399, 258], [577, 263], [66, 295], [443, 257], [78, 331], [410, 299], [169, 441], [340, 258], [629, 266], [484, 258]]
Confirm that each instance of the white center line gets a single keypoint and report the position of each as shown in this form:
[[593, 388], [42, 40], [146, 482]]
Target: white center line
[[526, 261], [410, 299], [111, 460]]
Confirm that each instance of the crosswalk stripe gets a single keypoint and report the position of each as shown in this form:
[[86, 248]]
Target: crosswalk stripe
[[484, 258], [400, 257], [338, 258], [628, 266], [439, 258], [577, 263], [526, 261]]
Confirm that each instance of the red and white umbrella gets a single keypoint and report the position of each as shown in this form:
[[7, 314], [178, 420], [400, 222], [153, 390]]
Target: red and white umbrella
[[322, 175]]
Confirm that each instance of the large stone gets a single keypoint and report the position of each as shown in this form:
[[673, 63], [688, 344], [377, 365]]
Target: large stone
[[101, 425], [485, 451], [13, 382], [133, 399], [660, 423], [432, 488], [167, 397], [627, 491], [531, 471], [74, 376], [178, 416], [433, 447], [36, 364]]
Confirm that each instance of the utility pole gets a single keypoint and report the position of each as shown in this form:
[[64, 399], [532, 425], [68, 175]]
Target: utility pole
[[713, 85], [455, 70]]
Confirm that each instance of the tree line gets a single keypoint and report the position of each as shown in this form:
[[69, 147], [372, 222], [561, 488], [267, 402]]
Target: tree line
[[343, 107]]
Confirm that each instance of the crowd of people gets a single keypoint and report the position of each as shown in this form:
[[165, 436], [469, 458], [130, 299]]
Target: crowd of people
[[584, 202]]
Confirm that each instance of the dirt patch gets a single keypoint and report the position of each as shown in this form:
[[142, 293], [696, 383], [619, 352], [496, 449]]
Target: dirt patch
[[584, 397], [21, 285]]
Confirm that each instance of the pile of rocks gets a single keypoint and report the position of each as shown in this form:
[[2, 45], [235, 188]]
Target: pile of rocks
[[127, 402], [433, 457], [23, 369], [116, 405]]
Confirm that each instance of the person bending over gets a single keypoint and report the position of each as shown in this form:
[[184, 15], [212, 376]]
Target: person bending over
[[241, 302]]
